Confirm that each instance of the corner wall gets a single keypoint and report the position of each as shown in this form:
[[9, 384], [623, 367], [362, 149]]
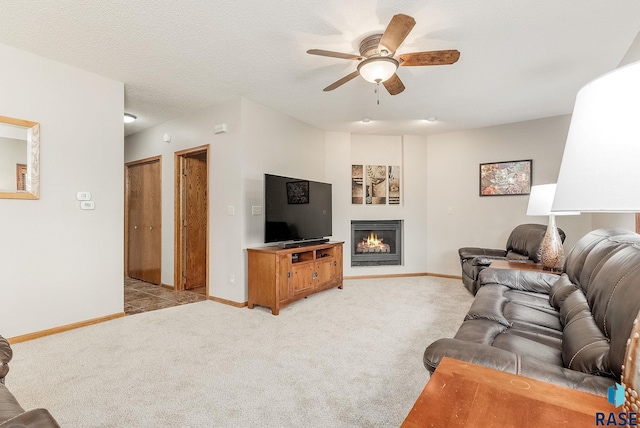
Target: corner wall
[[59, 264], [453, 161], [410, 153]]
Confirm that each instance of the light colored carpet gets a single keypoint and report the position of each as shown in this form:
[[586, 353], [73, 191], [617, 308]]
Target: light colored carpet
[[340, 358]]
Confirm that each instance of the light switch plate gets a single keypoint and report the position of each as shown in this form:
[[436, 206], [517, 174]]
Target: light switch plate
[[83, 196], [87, 205], [256, 210]]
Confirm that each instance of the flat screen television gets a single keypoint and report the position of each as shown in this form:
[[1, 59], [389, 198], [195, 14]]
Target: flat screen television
[[296, 209]]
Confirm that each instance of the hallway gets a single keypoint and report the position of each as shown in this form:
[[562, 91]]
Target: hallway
[[141, 296]]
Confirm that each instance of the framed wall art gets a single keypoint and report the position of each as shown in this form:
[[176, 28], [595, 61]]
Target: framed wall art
[[376, 184], [298, 192], [505, 178], [357, 193]]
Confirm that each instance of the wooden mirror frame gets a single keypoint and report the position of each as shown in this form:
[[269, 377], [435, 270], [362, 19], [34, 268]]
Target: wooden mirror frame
[[32, 181]]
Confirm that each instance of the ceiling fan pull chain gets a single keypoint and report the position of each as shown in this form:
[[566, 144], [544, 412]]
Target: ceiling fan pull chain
[[377, 92]]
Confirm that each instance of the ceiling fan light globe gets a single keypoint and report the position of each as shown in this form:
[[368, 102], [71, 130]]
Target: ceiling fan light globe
[[377, 69]]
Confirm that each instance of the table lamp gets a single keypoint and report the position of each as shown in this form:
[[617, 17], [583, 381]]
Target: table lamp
[[551, 249], [599, 170]]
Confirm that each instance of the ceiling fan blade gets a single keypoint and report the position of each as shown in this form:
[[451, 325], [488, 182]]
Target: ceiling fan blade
[[429, 58], [342, 81], [333, 54], [397, 30], [394, 85]]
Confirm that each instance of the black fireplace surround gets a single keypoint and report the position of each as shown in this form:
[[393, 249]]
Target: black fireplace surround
[[376, 242]]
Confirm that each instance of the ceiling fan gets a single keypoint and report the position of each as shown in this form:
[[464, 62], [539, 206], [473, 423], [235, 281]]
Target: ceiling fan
[[377, 62]]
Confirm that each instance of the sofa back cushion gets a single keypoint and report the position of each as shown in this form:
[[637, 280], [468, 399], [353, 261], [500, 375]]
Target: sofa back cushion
[[526, 239], [614, 299], [598, 316], [575, 259]]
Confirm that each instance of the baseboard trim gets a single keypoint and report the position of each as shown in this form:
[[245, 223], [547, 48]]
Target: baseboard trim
[[403, 275], [228, 302], [442, 275], [63, 328], [390, 275], [169, 287]]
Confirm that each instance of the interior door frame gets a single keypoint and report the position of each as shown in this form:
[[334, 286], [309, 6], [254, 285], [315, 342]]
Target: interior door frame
[[127, 165], [178, 210]]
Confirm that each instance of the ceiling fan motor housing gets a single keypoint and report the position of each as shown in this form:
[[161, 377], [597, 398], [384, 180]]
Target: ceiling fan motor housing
[[370, 46]]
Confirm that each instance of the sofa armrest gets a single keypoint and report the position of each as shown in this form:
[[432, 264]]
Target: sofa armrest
[[523, 280], [5, 356], [484, 260], [471, 252], [506, 361], [36, 418], [471, 352]]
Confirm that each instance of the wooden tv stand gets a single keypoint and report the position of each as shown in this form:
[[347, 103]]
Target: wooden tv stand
[[279, 276]]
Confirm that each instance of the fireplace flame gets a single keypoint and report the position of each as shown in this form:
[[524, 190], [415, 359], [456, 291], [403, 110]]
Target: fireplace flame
[[372, 244], [372, 240]]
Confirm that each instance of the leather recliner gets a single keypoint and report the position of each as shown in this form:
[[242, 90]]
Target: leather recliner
[[523, 245], [11, 413], [569, 330]]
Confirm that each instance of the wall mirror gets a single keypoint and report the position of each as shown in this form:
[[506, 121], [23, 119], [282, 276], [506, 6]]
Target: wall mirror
[[19, 159]]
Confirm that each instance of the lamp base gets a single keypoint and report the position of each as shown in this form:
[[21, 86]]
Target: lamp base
[[552, 257]]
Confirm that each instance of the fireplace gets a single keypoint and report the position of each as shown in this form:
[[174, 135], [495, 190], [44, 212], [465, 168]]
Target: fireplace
[[376, 242]]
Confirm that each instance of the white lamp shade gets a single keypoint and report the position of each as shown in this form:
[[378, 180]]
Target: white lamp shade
[[599, 170], [377, 69], [541, 199]]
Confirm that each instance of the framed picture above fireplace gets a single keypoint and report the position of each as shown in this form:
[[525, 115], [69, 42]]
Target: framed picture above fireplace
[[375, 185], [505, 178]]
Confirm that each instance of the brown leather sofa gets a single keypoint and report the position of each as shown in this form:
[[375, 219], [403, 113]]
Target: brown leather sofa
[[570, 329], [11, 414], [523, 245]]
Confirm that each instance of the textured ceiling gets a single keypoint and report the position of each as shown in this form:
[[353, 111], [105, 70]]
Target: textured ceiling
[[520, 59]]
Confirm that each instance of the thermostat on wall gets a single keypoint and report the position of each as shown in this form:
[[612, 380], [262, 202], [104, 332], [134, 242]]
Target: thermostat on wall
[[87, 205], [83, 196]]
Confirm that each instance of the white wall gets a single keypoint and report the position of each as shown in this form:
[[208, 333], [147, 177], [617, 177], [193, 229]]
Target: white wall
[[60, 264], [258, 140], [453, 165]]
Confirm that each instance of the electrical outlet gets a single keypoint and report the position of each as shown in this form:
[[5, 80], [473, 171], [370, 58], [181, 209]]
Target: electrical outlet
[[256, 210], [232, 279]]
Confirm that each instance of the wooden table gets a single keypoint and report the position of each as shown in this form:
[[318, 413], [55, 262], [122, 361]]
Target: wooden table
[[507, 264], [461, 394]]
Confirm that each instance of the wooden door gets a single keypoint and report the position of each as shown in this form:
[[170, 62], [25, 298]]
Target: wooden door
[[195, 220], [143, 220]]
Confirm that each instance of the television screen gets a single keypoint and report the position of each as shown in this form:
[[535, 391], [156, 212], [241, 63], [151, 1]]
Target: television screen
[[296, 209]]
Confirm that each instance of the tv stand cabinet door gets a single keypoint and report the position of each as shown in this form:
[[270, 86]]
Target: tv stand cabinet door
[[284, 277], [325, 272], [302, 277]]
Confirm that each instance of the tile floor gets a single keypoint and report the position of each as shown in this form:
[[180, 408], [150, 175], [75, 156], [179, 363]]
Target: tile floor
[[141, 296]]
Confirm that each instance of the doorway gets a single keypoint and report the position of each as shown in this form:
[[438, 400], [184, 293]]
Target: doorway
[[142, 219], [192, 220]]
